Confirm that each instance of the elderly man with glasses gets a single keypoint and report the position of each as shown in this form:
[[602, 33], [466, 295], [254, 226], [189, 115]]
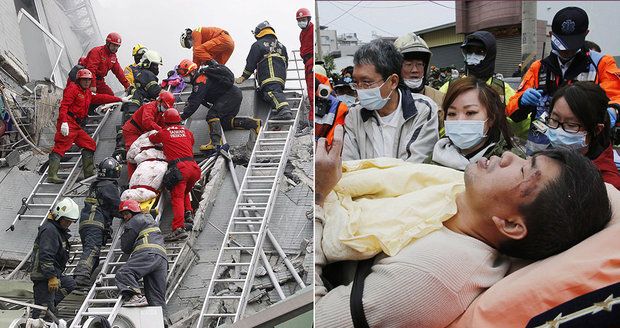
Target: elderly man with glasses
[[389, 120]]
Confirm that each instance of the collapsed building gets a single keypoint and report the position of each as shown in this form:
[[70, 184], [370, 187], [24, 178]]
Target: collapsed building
[[279, 271]]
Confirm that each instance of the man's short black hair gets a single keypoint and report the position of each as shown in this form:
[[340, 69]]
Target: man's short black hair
[[569, 209], [383, 55]]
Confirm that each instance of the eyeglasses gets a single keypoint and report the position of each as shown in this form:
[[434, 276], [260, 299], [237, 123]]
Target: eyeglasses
[[566, 126], [364, 85]]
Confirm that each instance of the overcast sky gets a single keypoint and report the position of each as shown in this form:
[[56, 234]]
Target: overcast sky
[[386, 18], [158, 24]]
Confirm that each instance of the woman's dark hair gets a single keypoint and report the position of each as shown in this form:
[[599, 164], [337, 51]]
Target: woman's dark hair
[[589, 103], [489, 98]]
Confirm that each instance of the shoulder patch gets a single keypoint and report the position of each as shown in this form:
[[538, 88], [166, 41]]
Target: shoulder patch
[[201, 79]]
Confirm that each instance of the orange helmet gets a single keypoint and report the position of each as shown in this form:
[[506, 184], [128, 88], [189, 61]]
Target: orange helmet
[[113, 38], [130, 205], [186, 66], [303, 13], [167, 98], [171, 116], [84, 74]]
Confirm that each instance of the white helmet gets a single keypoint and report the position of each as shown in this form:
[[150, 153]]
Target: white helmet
[[411, 43], [151, 57], [66, 208]]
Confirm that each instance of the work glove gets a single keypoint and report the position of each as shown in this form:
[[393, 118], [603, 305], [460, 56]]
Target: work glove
[[239, 80], [531, 97], [53, 284], [126, 99], [64, 129], [93, 89], [174, 83]]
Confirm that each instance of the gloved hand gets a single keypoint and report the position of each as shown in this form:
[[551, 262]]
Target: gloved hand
[[64, 129], [93, 89], [53, 284], [530, 97], [174, 83], [239, 80], [126, 99]]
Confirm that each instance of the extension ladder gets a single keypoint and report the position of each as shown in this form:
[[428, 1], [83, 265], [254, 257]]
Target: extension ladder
[[251, 213]]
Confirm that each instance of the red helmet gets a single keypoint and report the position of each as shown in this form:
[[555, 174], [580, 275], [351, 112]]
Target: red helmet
[[130, 205], [303, 13], [167, 98], [113, 38], [84, 74], [82, 61], [171, 116], [186, 66]]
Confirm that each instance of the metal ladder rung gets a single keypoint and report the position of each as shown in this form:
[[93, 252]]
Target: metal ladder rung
[[225, 297], [40, 205], [92, 311], [267, 165], [102, 300], [219, 314], [229, 280], [238, 248], [281, 122], [249, 223], [251, 204], [248, 217], [68, 163], [273, 144], [246, 233], [256, 195], [32, 216], [44, 194], [274, 132], [268, 156], [264, 168], [73, 153], [255, 189], [272, 139], [106, 288], [260, 177], [278, 151]]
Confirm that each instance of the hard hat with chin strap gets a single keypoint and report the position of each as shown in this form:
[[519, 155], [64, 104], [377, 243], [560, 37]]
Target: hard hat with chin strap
[[130, 205], [151, 57], [66, 209], [114, 38]]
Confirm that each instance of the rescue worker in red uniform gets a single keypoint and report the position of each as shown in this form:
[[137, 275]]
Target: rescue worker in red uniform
[[148, 117], [100, 60], [306, 38], [178, 144], [208, 43], [76, 99]]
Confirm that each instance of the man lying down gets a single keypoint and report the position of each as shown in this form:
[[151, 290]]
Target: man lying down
[[526, 208]]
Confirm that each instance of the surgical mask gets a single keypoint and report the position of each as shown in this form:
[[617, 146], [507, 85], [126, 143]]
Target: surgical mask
[[559, 137], [348, 100], [371, 98], [465, 134], [187, 79], [414, 83], [473, 59], [302, 24]]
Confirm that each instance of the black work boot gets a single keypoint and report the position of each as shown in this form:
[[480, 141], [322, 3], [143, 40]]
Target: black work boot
[[281, 114], [88, 163], [246, 123], [52, 170], [189, 217]]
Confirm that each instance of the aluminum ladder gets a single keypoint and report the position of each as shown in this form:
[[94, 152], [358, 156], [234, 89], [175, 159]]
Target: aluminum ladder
[[45, 195], [255, 201]]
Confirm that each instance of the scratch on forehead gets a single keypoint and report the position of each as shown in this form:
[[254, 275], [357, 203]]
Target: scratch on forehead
[[530, 185]]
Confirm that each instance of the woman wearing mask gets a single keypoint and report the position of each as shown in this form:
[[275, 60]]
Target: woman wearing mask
[[579, 120], [475, 125]]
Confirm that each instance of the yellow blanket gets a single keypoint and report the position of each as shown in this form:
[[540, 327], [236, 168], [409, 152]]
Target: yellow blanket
[[383, 204]]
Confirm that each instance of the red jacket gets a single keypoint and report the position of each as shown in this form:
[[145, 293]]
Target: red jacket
[[306, 38], [605, 163], [147, 117], [177, 140], [100, 60], [76, 101]]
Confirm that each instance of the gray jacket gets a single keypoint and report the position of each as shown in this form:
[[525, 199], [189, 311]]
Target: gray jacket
[[416, 138]]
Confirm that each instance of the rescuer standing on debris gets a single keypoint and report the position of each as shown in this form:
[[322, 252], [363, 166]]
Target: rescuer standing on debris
[[148, 117], [100, 207], [71, 116], [183, 172], [208, 43], [270, 60], [137, 52], [142, 239], [50, 255], [306, 38], [214, 84], [100, 60]]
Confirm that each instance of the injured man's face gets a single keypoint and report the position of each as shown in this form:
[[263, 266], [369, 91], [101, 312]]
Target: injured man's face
[[498, 186]]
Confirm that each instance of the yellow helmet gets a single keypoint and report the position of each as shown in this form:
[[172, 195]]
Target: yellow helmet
[[138, 49]]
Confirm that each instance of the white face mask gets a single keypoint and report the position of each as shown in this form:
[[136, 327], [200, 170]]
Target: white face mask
[[465, 134], [473, 59], [302, 24], [371, 98], [414, 83], [347, 99]]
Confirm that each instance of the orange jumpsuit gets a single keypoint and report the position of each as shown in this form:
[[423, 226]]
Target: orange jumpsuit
[[212, 43]]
